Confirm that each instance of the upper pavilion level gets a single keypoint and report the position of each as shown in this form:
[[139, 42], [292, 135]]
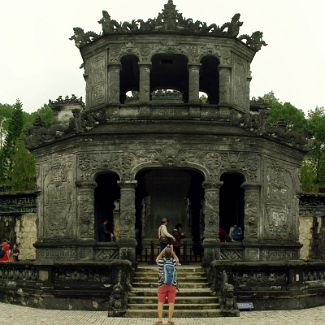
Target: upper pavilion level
[[139, 61]]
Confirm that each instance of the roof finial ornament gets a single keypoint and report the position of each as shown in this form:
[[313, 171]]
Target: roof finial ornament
[[171, 21], [233, 26], [168, 18]]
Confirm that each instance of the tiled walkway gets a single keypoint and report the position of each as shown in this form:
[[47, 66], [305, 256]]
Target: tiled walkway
[[18, 315]]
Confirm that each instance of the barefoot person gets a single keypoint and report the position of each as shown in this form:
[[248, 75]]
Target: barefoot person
[[167, 261]]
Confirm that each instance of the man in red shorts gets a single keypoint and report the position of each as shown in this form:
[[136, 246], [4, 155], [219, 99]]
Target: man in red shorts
[[167, 261]]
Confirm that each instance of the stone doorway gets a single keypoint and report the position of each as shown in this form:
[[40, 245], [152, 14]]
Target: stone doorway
[[176, 194], [231, 207], [106, 204]]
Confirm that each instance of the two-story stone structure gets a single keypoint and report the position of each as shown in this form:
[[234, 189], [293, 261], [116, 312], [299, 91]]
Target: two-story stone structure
[[146, 146], [168, 130]]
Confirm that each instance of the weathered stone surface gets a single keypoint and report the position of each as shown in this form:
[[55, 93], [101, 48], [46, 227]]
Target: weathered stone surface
[[26, 235]]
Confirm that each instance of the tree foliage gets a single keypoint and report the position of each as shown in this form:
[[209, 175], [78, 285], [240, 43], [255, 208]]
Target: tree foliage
[[17, 164], [294, 117], [313, 167], [15, 127], [316, 125]]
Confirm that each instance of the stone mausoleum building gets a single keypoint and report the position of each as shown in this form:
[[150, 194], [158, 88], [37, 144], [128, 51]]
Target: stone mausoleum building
[[168, 130]]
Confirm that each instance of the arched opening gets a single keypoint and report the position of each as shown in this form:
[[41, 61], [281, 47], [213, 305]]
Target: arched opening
[[169, 72], [231, 207], [129, 78], [209, 78], [173, 193], [107, 196]]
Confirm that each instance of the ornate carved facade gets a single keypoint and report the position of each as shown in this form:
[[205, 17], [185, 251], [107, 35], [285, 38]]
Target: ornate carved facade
[[143, 112]]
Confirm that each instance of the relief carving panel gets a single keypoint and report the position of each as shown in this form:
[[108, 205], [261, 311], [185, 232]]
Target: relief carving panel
[[59, 196], [96, 72], [240, 75], [281, 206], [247, 164]]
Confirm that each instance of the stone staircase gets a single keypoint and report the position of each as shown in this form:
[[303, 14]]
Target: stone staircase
[[194, 298]]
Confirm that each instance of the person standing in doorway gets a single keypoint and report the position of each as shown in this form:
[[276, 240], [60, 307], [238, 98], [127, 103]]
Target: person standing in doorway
[[167, 261], [163, 234], [15, 253], [179, 235]]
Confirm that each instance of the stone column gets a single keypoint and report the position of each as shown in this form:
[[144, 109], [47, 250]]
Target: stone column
[[211, 221], [251, 220], [127, 242], [144, 93], [224, 85], [194, 83], [114, 83], [86, 216]]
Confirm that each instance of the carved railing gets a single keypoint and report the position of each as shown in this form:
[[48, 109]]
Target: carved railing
[[188, 253], [288, 284], [110, 282]]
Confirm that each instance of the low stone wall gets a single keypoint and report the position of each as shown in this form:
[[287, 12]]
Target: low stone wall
[[80, 286], [18, 221], [26, 235], [272, 285]]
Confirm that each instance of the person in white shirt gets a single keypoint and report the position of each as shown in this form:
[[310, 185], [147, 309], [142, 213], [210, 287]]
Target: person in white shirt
[[163, 234]]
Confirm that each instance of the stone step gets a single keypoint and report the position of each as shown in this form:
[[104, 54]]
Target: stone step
[[191, 268], [185, 274], [194, 299], [177, 305], [183, 291], [180, 269], [180, 278], [154, 284], [179, 299], [185, 313]]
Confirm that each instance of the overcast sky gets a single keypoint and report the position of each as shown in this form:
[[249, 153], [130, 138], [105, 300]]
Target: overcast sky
[[38, 62]]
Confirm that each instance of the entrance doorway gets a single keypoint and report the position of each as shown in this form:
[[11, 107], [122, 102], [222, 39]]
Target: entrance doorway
[[106, 207], [231, 207], [175, 194]]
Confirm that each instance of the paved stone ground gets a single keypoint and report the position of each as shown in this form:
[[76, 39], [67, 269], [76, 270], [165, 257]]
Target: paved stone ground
[[18, 315]]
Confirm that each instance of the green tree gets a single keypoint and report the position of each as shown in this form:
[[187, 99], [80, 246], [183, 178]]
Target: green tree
[[312, 172], [21, 176], [294, 116], [17, 164], [15, 127], [316, 125], [45, 113]]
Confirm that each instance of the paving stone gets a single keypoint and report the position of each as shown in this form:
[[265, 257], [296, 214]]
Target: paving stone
[[19, 315]]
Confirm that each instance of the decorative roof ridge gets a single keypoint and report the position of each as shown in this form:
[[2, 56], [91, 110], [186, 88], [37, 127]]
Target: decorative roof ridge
[[67, 100], [171, 21]]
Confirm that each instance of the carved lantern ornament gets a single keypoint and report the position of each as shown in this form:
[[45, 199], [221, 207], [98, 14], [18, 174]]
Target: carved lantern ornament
[[171, 21]]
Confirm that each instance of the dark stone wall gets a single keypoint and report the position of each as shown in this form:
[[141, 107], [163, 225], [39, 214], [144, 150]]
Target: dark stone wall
[[7, 228]]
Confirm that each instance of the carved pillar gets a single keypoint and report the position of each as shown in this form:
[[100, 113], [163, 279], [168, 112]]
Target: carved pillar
[[144, 94], [86, 217], [251, 220], [224, 85], [194, 83], [211, 221], [114, 83], [127, 240]]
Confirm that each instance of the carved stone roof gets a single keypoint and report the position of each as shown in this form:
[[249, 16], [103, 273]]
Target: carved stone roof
[[64, 101], [169, 20]]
